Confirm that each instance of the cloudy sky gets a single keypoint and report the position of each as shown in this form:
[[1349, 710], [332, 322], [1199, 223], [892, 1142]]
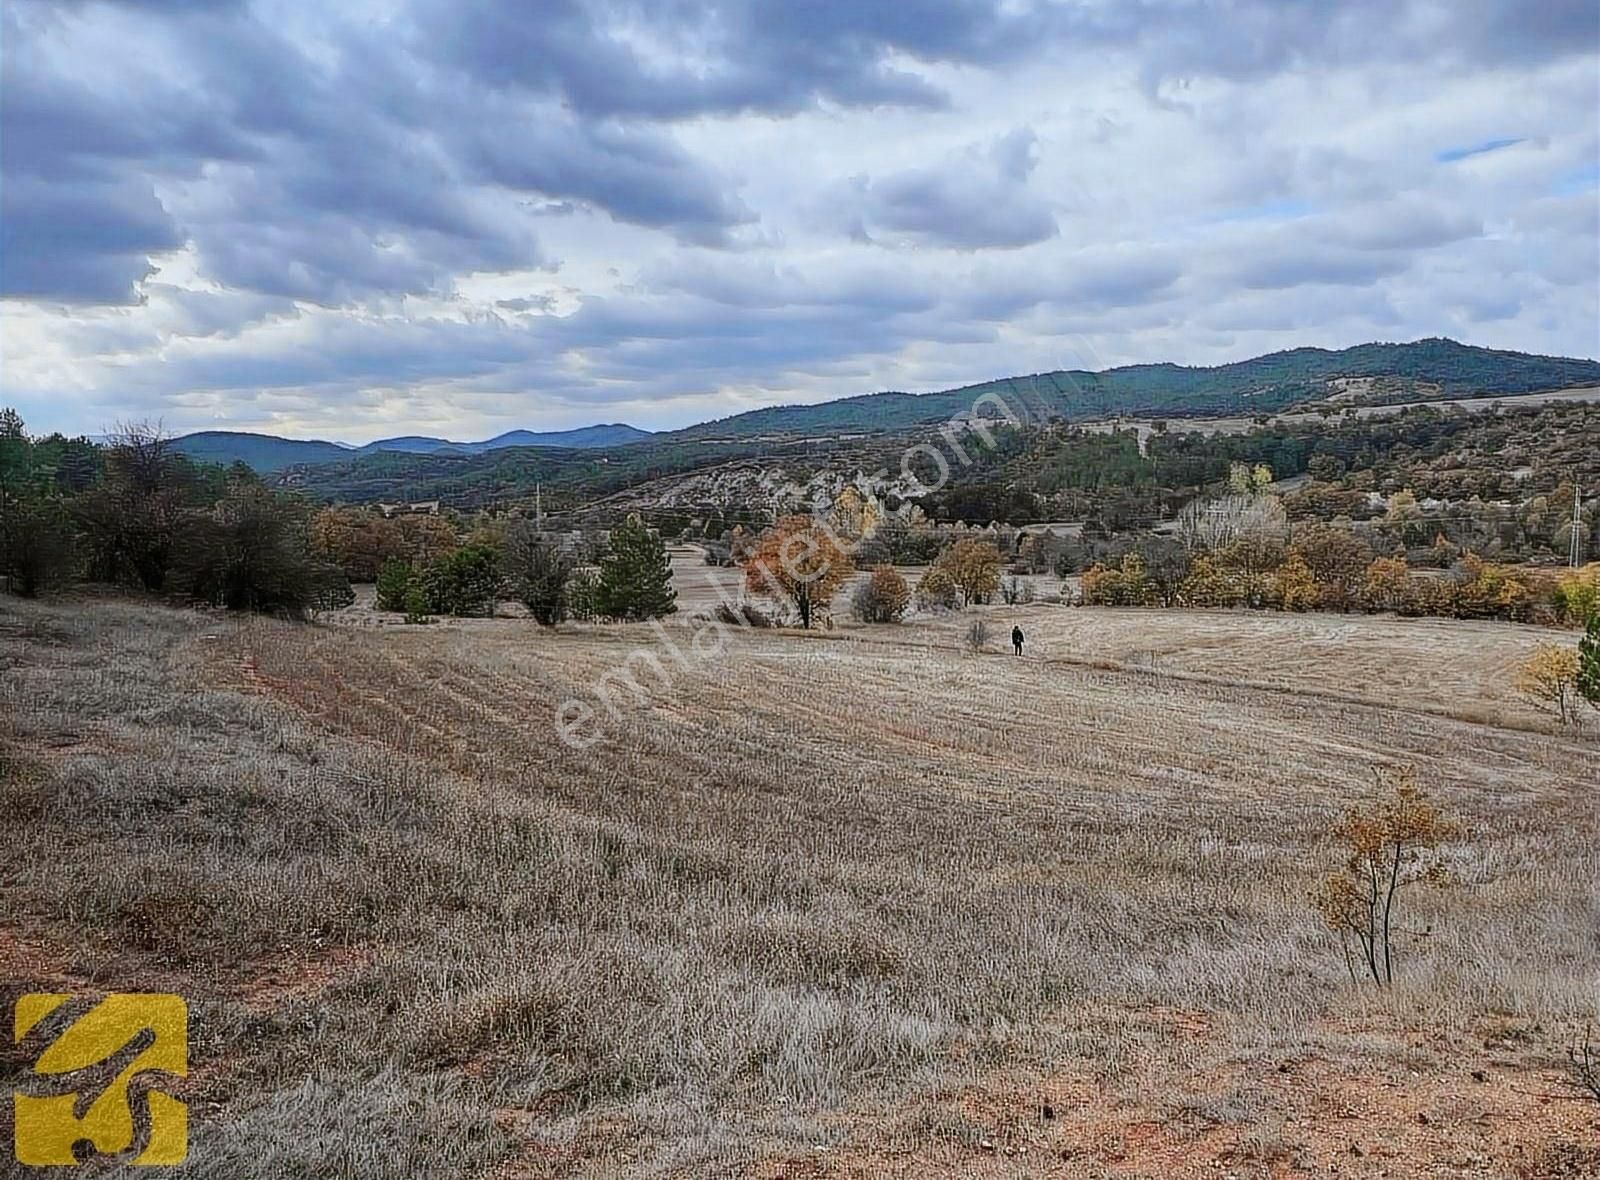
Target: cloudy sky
[[354, 219]]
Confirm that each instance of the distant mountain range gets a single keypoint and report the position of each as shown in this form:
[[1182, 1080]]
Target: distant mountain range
[[268, 452], [1422, 370]]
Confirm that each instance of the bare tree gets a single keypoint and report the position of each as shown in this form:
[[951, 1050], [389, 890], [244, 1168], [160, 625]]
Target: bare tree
[[1218, 524]]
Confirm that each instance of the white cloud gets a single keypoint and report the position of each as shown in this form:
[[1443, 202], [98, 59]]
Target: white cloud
[[313, 220]]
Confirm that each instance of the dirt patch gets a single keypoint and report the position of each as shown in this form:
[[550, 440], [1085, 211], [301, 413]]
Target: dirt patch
[[1293, 1118]]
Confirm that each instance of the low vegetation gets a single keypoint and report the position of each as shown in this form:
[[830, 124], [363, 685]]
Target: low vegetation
[[405, 916], [138, 515], [882, 597]]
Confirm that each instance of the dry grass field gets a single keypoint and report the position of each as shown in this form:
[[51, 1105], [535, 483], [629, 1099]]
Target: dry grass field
[[838, 905]]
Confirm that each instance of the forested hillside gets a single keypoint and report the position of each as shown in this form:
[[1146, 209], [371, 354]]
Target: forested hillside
[[259, 452], [1428, 369], [1422, 370]]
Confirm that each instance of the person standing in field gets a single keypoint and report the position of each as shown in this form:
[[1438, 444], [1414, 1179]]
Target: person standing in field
[[1016, 639]]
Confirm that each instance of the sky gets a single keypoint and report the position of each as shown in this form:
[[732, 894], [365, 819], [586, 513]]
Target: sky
[[455, 217]]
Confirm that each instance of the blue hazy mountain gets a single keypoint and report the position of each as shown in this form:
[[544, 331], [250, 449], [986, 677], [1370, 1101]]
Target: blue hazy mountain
[[268, 452]]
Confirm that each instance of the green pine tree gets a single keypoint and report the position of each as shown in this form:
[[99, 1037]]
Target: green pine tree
[[1588, 682], [395, 581], [635, 576]]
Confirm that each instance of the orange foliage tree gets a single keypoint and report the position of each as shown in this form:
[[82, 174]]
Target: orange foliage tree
[[800, 561], [1387, 849], [1294, 585], [883, 597]]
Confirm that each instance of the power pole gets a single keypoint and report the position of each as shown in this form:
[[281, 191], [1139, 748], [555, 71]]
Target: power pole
[[1577, 522], [538, 507]]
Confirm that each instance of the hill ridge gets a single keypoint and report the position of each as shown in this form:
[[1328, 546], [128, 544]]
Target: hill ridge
[[1433, 367]]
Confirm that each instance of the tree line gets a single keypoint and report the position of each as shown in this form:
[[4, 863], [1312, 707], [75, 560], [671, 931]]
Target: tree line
[[1251, 556], [543, 571], [135, 513]]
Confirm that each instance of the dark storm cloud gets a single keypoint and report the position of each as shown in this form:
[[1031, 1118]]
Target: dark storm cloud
[[328, 169], [770, 56], [90, 243], [636, 175], [78, 220], [357, 142]]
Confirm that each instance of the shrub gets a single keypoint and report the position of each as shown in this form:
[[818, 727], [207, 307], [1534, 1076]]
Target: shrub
[[395, 580], [249, 553], [1588, 680], [38, 546], [1481, 590], [937, 592], [463, 583], [1338, 560], [416, 605], [1577, 596], [1385, 584], [1550, 677], [1208, 584], [1251, 562], [1388, 849], [1294, 587], [882, 598], [331, 589], [977, 637], [136, 517]]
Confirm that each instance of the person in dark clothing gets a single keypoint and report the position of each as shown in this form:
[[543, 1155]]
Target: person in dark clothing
[[1016, 639]]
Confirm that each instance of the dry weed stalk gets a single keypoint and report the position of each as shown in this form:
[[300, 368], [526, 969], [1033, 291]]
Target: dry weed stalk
[[1586, 1065]]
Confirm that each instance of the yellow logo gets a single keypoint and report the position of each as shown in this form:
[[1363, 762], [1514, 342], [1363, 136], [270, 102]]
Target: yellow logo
[[127, 1034]]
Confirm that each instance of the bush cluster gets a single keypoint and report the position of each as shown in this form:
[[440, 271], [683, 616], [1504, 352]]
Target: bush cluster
[[1322, 571]]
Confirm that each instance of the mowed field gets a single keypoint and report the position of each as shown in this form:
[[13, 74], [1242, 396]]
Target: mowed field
[[856, 903]]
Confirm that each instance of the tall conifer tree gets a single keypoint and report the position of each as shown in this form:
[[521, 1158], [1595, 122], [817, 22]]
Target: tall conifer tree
[[635, 576]]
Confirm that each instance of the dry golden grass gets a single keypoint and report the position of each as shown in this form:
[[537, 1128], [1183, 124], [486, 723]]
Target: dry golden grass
[[824, 882]]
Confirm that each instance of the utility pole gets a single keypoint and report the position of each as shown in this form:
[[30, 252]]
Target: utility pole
[[1577, 522], [538, 508]]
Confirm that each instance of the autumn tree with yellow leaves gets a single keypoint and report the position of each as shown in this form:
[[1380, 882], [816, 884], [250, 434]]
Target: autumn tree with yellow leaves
[[1550, 676], [853, 516], [973, 567], [798, 560]]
